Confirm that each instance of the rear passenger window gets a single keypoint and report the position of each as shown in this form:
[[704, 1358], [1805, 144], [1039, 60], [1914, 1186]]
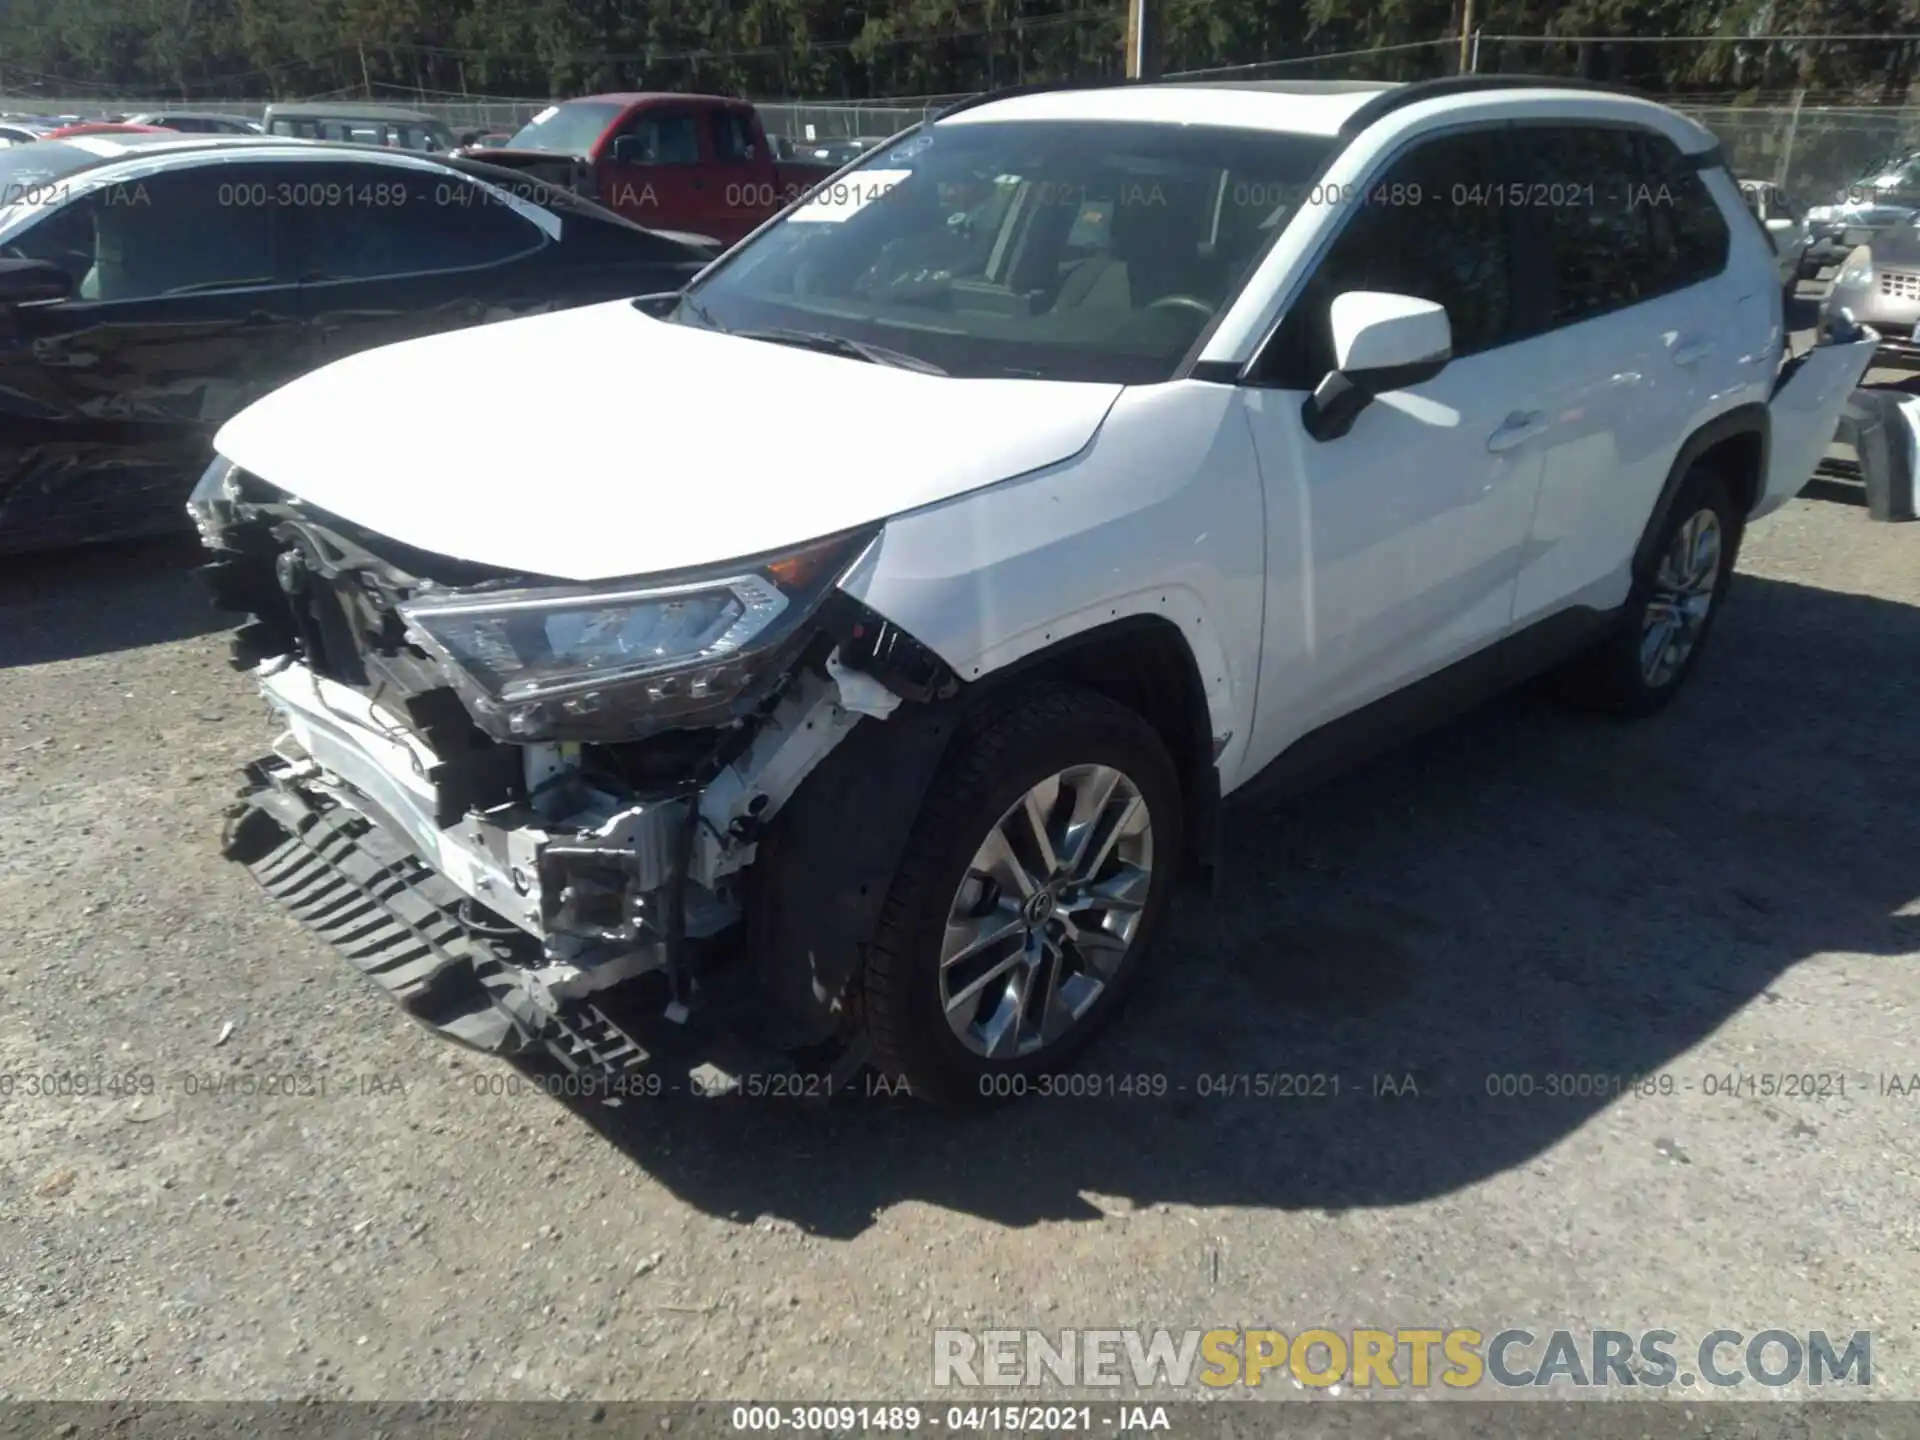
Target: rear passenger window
[[1432, 226], [1690, 237], [366, 222], [1624, 215]]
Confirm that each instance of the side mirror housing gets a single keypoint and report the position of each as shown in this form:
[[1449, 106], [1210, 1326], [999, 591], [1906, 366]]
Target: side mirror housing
[[31, 282], [627, 151], [1381, 342]]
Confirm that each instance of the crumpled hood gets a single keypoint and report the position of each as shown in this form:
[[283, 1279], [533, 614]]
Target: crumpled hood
[[596, 443]]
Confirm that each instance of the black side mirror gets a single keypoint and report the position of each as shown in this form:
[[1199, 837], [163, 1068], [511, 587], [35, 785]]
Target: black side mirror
[[627, 151], [32, 282]]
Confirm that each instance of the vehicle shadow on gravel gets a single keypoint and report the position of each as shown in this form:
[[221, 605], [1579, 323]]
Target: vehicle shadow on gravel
[[1527, 893], [66, 604]]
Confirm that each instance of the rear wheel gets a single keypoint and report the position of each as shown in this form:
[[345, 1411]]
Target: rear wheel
[[1029, 895], [1640, 666]]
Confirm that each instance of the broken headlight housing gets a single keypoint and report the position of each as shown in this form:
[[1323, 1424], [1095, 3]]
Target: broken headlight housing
[[624, 660], [211, 504]]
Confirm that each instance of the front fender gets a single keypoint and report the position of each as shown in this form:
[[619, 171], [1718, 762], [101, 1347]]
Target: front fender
[[1162, 514]]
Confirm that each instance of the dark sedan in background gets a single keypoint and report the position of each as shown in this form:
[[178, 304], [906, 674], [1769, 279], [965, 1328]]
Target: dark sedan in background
[[152, 286]]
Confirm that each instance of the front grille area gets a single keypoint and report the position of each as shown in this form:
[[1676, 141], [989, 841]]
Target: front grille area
[[315, 588], [1900, 284]]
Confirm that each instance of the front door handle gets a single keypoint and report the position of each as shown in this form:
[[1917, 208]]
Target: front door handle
[[1520, 426], [1692, 352]]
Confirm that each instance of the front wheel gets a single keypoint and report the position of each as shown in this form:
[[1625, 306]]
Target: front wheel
[[1030, 892], [1642, 663]]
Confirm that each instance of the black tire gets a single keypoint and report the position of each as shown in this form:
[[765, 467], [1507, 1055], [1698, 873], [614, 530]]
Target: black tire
[[989, 769], [1611, 677]]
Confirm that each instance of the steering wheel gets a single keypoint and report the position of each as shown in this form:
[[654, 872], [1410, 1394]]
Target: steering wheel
[[1182, 302]]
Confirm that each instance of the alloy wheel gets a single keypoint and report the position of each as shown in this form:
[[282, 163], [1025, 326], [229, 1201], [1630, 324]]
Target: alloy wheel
[[1683, 590], [1047, 912]]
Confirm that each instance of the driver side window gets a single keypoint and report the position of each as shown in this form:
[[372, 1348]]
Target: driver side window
[[666, 137], [1434, 226], [203, 229]]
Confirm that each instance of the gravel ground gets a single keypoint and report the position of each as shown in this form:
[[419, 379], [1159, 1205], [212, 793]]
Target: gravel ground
[[1731, 887]]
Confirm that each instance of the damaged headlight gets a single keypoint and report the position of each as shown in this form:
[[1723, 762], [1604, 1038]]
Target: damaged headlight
[[614, 661], [211, 504]]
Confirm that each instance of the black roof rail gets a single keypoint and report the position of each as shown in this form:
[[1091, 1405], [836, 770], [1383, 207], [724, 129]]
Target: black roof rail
[[1388, 101]]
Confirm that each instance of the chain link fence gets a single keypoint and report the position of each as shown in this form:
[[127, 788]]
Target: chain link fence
[[1812, 152]]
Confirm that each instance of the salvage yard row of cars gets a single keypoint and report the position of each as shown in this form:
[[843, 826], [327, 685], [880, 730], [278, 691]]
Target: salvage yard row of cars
[[1199, 439]]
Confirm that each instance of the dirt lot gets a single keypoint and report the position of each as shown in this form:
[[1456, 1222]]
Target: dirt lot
[[1732, 887]]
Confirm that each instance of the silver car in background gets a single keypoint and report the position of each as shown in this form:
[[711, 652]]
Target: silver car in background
[[1879, 285], [1885, 199]]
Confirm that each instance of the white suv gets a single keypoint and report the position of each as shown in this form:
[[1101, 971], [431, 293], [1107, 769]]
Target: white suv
[[855, 647]]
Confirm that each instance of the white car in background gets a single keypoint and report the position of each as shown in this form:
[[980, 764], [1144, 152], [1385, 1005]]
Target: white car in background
[[1787, 225], [1190, 441]]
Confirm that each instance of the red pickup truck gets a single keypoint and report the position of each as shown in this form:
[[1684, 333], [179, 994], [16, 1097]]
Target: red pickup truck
[[697, 163]]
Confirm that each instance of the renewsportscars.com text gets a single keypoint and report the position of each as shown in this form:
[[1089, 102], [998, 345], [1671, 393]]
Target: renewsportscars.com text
[[1458, 1359]]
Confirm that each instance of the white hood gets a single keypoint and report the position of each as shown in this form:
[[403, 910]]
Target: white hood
[[596, 443]]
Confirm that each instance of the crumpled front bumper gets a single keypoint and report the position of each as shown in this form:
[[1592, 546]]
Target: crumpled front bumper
[[357, 886], [345, 825]]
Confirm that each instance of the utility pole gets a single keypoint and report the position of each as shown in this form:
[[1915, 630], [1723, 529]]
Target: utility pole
[[1785, 168], [1143, 39], [1466, 36]]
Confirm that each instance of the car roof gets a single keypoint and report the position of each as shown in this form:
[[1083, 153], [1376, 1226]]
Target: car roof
[[112, 146], [1331, 108], [634, 97], [196, 115], [171, 144], [325, 110]]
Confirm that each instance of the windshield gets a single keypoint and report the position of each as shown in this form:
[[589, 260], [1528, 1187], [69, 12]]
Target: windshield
[[1061, 250], [570, 129], [32, 176]]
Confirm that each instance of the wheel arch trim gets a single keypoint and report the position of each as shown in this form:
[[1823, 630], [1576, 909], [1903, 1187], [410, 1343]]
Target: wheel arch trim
[[1741, 421]]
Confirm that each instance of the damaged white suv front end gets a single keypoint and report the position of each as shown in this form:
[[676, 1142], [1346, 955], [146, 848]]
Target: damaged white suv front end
[[501, 798]]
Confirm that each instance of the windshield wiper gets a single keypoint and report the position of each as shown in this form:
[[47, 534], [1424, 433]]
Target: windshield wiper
[[844, 345]]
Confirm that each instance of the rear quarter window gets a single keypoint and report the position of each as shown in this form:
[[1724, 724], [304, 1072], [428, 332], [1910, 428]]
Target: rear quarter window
[[1627, 217], [1691, 239]]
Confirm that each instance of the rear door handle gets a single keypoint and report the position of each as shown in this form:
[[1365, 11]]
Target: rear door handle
[[1521, 425], [1692, 352]]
